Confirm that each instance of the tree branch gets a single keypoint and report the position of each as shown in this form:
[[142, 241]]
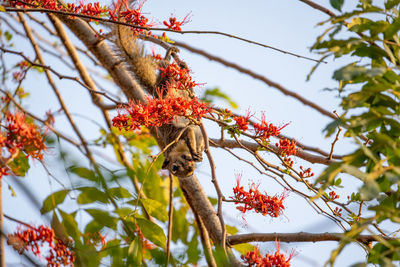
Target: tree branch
[[299, 237], [254, 147]]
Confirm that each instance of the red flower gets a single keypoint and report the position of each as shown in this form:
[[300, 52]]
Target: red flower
[[157, 112], [265, 130], [287, 147], [174, 24], [243, 122], [34, 238], [178, 78], [22, 135], [277, 259], [257, 201], [333, 195], [306, 173]]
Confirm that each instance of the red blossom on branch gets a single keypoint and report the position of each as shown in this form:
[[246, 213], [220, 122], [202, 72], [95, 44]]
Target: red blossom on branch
[[174, 24], [265, 130], [287, 147], [19, 134], [179, 78], [33, 239], [243, 122], [157, 112], [337, 212], [254, 258], [305, 173], [253, 199], [22, 135], [133, 16], [333, 195]]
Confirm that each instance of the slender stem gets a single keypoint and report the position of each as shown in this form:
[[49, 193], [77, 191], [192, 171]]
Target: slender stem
[[216, 185]]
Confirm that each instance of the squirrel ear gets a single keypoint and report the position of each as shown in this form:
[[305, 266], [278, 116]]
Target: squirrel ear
[[165, 164]]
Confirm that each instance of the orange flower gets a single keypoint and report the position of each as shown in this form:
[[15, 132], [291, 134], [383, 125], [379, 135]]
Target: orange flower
[[253, 199], [277, 259], [33, 238]]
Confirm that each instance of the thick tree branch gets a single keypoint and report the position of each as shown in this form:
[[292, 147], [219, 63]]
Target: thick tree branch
[[299, 237]]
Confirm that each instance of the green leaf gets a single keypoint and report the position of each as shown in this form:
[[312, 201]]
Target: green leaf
[[232, 230], [155, 209], [152, 232], [180, 225], [193, 251], [352, 72], [337, 4], [91, 194], [119, 192], [135, 252], [20, 164], [391, 3], [337, 182], [12, 191], [70, 225], [370, 190], [84, 173], [103, 217], [8, 35], [243, 248], [360, 264], [52, 201]]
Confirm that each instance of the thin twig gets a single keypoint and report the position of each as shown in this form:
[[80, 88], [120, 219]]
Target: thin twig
[[59, 75], [215, 182], [336, 138]]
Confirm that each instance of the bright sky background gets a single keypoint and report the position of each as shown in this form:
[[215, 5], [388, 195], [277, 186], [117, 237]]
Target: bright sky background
[[288, 25]]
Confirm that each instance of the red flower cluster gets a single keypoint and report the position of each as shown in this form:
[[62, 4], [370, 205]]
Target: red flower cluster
[[337, 212], [179, 78], [254, 199], [19, 135], [287, 147], [242, 122], [305, 173], [22, 135], [94, 10], [265, 130], [174, 24], [254, 258], [157, 112], [333, 195], [132, 16], [34, 238]]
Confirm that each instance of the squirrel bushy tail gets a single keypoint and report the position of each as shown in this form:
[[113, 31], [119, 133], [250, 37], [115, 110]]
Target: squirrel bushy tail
[[132, 53]]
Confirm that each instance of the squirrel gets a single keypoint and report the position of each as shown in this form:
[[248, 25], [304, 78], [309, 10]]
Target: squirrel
[[181, 140]]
